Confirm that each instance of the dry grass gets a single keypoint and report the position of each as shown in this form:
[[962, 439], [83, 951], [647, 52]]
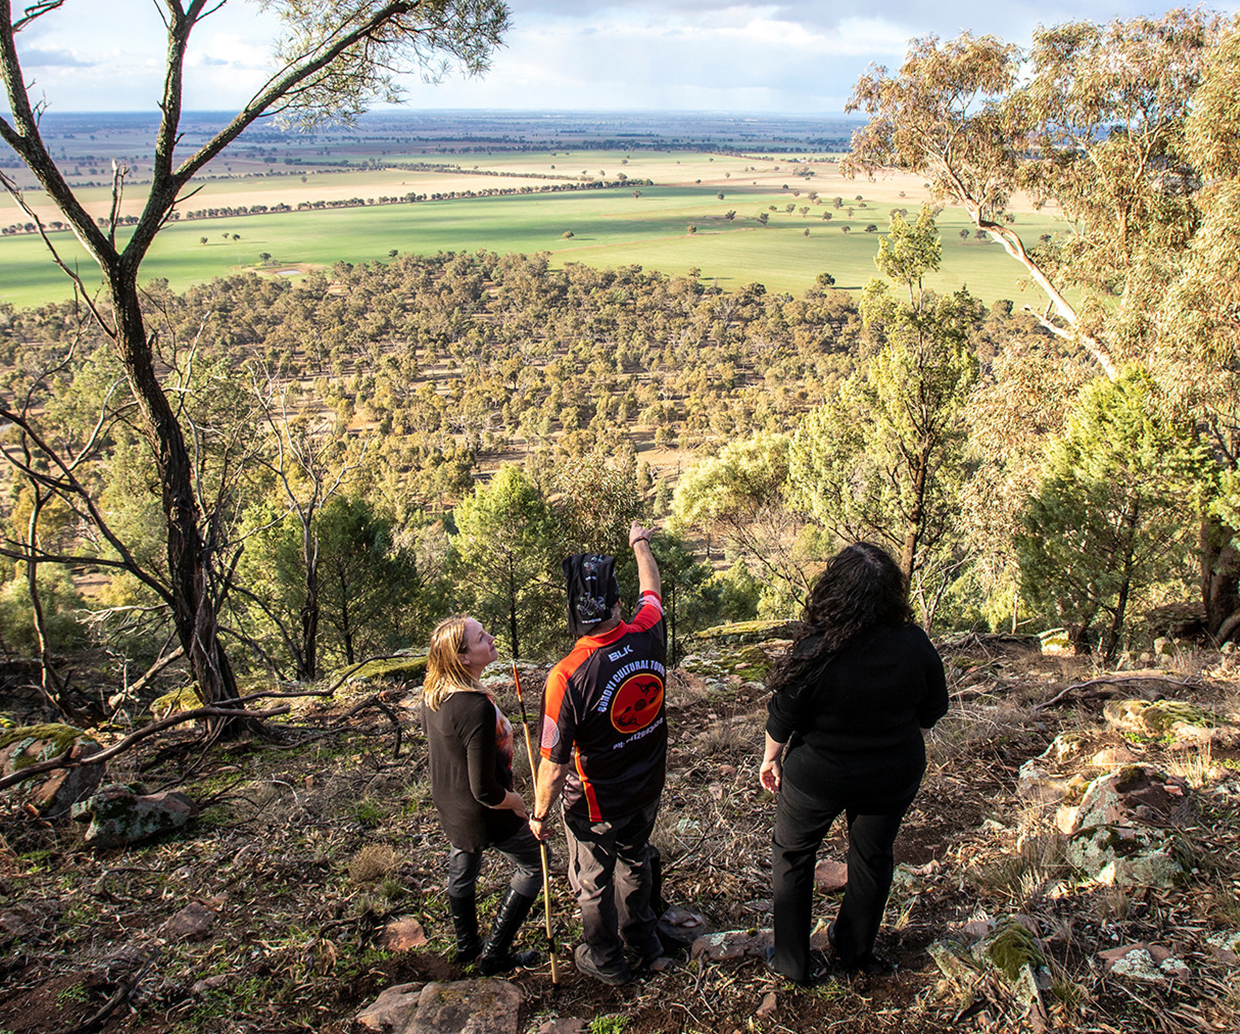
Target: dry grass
[[373, 862]]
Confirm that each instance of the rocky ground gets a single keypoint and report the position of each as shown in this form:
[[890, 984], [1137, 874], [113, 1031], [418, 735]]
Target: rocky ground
[[311, 880]]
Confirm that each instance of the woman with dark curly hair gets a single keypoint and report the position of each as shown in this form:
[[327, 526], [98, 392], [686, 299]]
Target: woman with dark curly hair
[[470, 744], [844, 734]]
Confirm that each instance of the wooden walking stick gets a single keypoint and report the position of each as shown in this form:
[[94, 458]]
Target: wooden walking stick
[[542, 847]]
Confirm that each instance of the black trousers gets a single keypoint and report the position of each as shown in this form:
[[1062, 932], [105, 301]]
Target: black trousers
[[521, 849], [801, 823], [611, 869]]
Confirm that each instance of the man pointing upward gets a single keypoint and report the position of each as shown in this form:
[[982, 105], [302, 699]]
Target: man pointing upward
[[604, 746]]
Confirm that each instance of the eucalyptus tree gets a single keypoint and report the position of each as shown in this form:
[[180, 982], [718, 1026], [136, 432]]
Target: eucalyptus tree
[[884, 458], [1107, 521], [741, 496], [1096, 128], [332, 59], [510, 542], [1128, 128]]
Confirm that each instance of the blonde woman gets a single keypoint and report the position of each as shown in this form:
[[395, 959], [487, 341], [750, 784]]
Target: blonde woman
[[470, 744]]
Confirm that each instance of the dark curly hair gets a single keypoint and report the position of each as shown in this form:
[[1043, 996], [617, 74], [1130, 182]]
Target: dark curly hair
[[861, 586]]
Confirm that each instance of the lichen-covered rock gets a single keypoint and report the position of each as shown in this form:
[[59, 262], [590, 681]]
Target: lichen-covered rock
[[719, 665], [1127, 856], [1051, 777], [1225, 946], [732, 944], [467, 1007], [1151, 963], [118, 816], [53, 793], [1037, 784], [1176, 722], [1136, 793]]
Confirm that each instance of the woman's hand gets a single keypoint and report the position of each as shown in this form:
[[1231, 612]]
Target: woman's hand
[[771, 772], [769, 775], [515, 803]]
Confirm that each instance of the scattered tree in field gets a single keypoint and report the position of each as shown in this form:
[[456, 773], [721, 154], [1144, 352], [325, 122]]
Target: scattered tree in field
[[764, 218]]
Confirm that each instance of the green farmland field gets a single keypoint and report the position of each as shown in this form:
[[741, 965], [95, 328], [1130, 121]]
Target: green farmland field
[[609, 228]]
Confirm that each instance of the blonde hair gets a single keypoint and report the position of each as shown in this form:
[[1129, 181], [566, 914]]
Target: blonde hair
[[444, 671]]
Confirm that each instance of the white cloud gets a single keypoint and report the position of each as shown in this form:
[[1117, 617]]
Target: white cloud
[[560, 54]]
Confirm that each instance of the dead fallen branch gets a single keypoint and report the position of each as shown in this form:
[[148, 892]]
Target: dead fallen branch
[[123, 994], [65, 760], [1151, 681]]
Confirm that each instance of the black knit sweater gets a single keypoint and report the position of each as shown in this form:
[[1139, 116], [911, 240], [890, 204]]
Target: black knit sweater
[[471, 772], [854, 736]]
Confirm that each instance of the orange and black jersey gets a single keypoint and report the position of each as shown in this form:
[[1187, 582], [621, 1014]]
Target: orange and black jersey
[[603, 715]]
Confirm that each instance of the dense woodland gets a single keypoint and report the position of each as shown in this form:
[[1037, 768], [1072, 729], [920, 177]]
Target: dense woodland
[[322, 469]]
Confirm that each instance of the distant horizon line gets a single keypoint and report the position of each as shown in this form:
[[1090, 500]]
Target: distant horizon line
[[397, 110]]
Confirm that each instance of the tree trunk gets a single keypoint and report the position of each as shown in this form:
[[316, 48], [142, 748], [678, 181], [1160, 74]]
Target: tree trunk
[[1220, 574], [917, 515], [346, 624], [308, 662], [53, 686], [193, 609]]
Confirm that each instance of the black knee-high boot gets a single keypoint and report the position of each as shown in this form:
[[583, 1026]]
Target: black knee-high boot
[[465, 923], [498, 956]]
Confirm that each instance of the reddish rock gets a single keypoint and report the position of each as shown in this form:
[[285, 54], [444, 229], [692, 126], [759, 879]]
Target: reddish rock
[[192, 923], [769, 1004], [391, 1011], [831, 875], [403, 934], [732, 944]]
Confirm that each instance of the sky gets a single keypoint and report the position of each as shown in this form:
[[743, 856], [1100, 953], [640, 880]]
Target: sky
[[577, 55]]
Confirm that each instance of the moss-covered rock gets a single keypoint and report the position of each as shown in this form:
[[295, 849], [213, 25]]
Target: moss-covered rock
[[397, 669], [1175, 722], [746, 632], [1013, 949], [1015, 953], [53, 793], [185, 698], [118, 816]]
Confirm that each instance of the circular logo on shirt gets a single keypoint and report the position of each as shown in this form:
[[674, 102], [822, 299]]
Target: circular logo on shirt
[[637, 702]]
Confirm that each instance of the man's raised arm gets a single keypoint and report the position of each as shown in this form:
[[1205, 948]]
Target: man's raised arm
[[647, 569]]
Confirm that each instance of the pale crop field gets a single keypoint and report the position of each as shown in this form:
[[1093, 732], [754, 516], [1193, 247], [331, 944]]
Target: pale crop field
[[609, 227]]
